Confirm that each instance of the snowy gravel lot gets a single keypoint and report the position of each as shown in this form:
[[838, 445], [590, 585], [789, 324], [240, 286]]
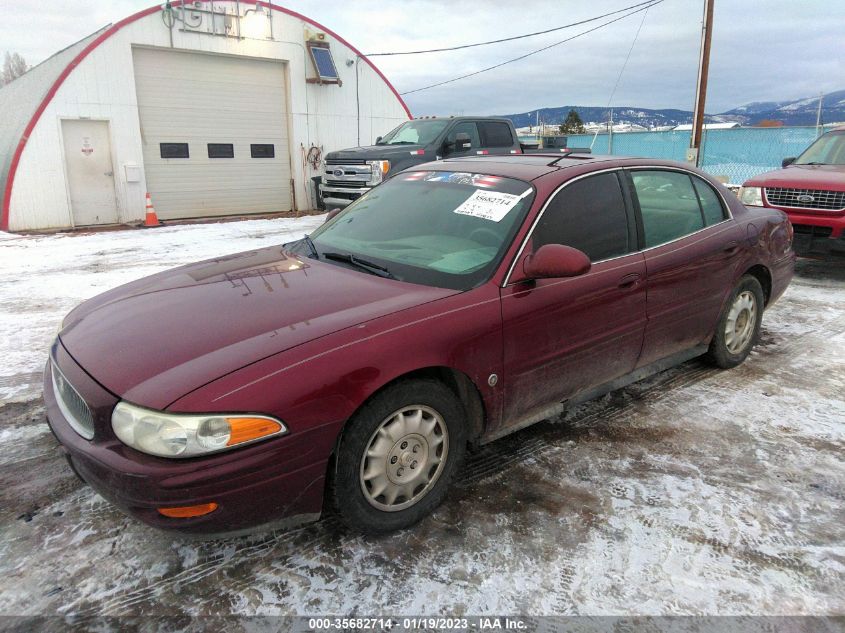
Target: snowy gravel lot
[[697, 491]]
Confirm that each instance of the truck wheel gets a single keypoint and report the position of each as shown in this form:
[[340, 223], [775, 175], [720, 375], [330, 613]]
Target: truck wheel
[[739, 325], [397, 456]]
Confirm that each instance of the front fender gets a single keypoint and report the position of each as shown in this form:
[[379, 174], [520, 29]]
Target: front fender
[[318, 385]]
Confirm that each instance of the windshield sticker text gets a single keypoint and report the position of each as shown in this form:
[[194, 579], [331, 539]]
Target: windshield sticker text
[[489, 205]]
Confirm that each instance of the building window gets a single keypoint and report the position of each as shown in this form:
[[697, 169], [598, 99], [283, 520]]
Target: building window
[[174, 150], [321, 55], [265, 150], [221, 150]]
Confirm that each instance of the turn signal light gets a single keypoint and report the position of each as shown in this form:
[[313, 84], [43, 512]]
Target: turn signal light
[[248, 429], [185, 512]]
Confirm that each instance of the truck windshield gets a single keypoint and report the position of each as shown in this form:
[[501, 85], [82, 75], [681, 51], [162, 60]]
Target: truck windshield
[[415, 132], [827, 150], [444, 229]]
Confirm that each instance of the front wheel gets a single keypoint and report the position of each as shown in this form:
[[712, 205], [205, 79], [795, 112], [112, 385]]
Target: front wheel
[[397, 456], [739, 325]]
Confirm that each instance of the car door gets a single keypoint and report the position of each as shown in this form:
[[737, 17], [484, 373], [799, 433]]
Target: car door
[[496, 137], [470, 128], [691, 248], [564, 336]]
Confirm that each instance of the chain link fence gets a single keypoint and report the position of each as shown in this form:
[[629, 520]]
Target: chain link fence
[[734, 155]]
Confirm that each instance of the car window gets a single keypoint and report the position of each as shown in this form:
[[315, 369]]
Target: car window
[[711, 204], [669, 205], [415, 132], [495, 134], [588, 215], [467, 127], [826, 150]]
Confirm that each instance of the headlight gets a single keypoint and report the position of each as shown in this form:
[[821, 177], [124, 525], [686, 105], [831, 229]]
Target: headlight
[[185, 435], [380, 169], [751, 196]]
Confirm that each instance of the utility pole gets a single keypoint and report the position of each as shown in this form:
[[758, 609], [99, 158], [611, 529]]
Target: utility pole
[[693, 153], [819, 115]]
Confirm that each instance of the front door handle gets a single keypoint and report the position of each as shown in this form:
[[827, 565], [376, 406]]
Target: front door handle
[[629, 281], [108, 173]]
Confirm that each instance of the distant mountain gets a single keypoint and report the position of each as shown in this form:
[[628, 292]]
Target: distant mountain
[[795, 112]]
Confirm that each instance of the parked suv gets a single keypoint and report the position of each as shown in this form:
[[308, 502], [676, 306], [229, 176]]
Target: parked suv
[[810, 189], [350, 173]]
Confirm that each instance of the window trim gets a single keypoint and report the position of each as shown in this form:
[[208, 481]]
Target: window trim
[[688, 172], [623, 168]]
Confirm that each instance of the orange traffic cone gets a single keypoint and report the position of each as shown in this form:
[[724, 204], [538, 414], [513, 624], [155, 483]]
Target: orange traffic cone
[[151, 219]]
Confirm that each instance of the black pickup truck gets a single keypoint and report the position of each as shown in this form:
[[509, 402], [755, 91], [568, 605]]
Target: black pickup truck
[[349, 173]]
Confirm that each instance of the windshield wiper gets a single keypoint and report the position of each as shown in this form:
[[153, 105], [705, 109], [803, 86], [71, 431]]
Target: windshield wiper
[[364, 264], [400, 143]]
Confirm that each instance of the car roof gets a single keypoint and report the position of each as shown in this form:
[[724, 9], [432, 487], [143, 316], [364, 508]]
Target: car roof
[[521, 166]]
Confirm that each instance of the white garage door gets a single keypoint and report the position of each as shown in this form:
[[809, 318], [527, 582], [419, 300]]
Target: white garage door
[[214, 132]]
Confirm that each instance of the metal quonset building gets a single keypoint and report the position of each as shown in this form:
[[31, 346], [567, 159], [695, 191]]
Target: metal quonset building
[[211, 107]]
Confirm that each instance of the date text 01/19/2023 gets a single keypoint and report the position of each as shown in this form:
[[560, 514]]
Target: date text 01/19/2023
[[417, 623]]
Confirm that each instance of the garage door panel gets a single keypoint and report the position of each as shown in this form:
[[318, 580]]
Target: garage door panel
[[199, 99]]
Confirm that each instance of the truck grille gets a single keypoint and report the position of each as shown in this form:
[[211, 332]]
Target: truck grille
[[72, 406], [344, 161], [806, 198], [350, 184]]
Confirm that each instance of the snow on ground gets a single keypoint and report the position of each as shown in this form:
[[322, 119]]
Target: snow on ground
[[42, 277], [696, 491]]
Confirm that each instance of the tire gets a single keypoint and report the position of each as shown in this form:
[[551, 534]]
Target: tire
[[409, 440], [739, 325]]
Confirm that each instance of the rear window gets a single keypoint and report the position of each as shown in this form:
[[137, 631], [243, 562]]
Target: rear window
[[495, 134]]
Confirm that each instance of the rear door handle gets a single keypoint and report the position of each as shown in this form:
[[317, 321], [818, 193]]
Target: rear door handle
[[731, 247], [629, 281]]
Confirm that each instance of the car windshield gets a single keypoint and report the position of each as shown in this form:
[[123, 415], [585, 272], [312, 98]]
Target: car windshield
[[415, 132], [437, 228], [827, 150]]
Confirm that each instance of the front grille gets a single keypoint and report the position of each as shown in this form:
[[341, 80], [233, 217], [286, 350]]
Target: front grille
[[72, 406], [806, 198], [344, 161], [351, 184], [812, 231]]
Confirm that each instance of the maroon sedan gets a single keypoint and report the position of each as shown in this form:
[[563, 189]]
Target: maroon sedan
[[451, 305]]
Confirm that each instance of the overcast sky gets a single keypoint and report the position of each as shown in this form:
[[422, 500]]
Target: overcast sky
[[763, 50]]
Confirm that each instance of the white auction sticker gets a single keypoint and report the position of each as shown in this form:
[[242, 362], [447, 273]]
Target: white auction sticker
[[490, 205]]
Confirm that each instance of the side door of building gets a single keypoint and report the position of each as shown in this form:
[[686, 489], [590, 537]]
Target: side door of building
[[565, 336], [692, 248], [496, 138]]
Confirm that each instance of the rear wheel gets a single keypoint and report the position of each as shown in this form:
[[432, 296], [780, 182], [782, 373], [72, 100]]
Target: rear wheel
[[739, 325], [397, 456]]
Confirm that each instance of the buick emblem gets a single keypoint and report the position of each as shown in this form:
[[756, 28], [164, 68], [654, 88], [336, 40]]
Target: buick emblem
[[805, 198], [337, 173]]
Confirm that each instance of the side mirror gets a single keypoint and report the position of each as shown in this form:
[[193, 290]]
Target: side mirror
[[331, 214], [786, 162], [378, 140], [556, 260], [462, 142]]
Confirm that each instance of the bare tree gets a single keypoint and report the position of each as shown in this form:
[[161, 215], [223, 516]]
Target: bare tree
[[13, 67]]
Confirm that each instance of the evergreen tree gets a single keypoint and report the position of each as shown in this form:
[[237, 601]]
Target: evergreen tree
[[573, 124]]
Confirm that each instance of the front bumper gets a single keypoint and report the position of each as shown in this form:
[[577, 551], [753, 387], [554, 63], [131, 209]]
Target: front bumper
[[272, 483], [334, 197], [817, 234]]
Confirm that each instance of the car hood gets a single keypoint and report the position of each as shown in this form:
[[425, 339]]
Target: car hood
[[373, 152], [829, 177], [155, 339]]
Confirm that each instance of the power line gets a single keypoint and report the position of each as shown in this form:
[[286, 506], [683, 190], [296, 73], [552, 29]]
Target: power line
[[515, 37], [539, 50]]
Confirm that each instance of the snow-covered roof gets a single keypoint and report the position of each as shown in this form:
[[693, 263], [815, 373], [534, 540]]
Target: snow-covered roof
[[21, 98]]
